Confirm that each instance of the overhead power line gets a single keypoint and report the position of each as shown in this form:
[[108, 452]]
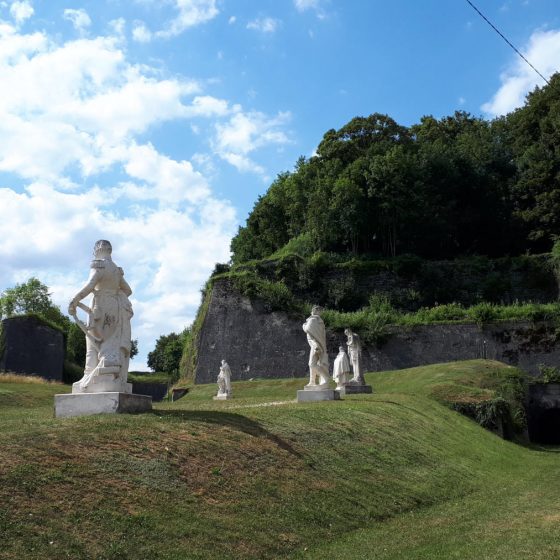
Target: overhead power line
[[505, 38]]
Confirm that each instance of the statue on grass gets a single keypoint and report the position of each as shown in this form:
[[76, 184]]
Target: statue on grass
[[224, 382], [103, 388], [355, 354], [108, 335], [341, 369], [314, 328], [318, 387]]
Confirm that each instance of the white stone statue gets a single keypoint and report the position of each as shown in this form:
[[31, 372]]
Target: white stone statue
[[108, 336], [318, 357], [341, 369], [224, 381], [355, 354]]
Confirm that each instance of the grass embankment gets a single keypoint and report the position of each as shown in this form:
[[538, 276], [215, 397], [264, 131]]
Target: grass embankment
[[390, 475]]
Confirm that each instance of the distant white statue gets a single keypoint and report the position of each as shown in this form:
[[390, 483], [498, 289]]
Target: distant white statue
[[341, 369], [108, 336], [224, 381], [318, 357], [355, 354]]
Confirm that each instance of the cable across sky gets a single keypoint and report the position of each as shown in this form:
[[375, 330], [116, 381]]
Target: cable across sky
[[505, 39]]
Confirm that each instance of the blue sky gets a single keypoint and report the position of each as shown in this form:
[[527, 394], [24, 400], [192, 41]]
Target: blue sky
[[157, 124]]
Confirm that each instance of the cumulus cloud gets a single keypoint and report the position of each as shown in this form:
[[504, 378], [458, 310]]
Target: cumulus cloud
[[244, 133], [79, 19], [140, 33], [74, 120], [21, 10], [543, 51], [69, 114], [264, 25]]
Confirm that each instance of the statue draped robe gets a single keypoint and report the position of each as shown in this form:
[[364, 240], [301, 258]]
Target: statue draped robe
[[318, 357], [109, 335]]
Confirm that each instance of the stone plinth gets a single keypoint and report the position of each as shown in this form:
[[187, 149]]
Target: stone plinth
[[103, 383], [356, 390], [222, 397], [317, 395], [86, 404]]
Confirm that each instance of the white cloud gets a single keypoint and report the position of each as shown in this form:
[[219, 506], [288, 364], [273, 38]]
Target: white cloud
[[244, 133], [302, 5], [171, 182], [117, 26], [166, 253], [232, 20], [543, 51], [68, 113], [79, 19], [74, 117], [264, 25], [21, 10], [140, 33], [189, 13], [315, 5]]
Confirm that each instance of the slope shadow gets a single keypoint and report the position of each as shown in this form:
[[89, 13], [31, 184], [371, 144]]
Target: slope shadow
[[231, 420]]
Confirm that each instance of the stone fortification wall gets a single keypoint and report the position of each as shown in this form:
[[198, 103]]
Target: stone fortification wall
[[31, 347], [260, 344]]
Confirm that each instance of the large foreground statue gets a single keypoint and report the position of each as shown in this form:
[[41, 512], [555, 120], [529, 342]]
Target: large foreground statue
[[103, 388], [108, 336]]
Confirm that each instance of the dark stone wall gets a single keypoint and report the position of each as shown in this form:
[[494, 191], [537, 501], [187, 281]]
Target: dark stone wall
[[542, 406], [260, 344], [254, 343], [155, 390], [31, 347]]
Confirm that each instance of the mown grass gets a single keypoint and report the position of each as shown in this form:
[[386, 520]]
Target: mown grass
[[391, 475]]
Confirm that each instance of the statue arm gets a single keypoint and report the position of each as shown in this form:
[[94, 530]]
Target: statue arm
[[86, 290], [123, 284]]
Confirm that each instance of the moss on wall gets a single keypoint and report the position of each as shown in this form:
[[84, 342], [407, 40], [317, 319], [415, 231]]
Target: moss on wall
[[188, 359]]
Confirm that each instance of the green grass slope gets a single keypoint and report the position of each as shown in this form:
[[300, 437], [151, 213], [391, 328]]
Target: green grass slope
[[395, 474]]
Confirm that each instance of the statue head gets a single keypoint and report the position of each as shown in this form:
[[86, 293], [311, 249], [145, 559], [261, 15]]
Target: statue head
[[316, 310], [102, 248], [341, 348], [347, 332]]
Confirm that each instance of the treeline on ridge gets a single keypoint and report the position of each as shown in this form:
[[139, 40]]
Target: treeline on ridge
[[460, 185]]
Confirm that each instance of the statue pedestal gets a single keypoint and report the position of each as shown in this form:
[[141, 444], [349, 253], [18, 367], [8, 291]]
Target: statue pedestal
[[103, 383], [86, 404], [222, 397], [316, 394], [356, 390]]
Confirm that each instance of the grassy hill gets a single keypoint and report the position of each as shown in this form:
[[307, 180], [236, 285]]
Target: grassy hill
[[396, 474]]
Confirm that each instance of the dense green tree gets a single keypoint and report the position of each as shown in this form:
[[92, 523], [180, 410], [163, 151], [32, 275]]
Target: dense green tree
[[166, 356], [32, 297], [534, 135], [441, 188]]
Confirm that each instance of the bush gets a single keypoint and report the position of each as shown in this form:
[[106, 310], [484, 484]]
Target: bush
[[549, 374], [442, 313], [483, 313], [72, 372]]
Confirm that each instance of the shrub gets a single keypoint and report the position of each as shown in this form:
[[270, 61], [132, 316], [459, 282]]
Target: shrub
[[483, 313]]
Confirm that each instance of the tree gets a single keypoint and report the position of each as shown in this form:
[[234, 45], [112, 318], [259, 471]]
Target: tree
[[32, 297], [166, 356]]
